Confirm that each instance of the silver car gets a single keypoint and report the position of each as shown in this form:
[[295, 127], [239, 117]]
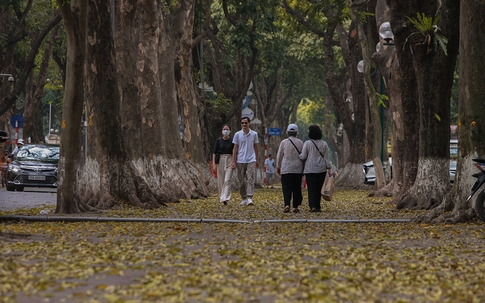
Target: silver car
[[370, 175], [34, 165], [369, 172]]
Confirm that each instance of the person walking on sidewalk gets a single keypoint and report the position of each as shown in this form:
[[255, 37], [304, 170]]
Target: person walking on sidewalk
[[315, 155], [222, 162], [290, 168], [245, 158], [269, 166]]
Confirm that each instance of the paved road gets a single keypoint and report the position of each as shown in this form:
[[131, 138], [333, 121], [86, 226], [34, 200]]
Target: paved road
[[30, 197]]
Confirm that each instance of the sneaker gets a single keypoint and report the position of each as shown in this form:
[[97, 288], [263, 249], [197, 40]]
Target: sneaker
[[244, 202], [224, 202], [250, 201]]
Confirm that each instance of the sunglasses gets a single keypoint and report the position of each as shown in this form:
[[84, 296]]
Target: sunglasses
[[244, 123]]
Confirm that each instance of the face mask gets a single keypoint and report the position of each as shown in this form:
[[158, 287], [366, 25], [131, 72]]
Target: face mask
[[226, 132]]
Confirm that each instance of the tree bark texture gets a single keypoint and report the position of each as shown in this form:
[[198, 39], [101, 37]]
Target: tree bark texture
[[384, 58], [193, 115], [106, 177], [74, 17], [471, 122], [353, 117], [405, 122]]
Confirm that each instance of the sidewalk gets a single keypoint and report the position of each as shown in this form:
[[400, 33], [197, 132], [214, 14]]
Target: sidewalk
[[348, 206]]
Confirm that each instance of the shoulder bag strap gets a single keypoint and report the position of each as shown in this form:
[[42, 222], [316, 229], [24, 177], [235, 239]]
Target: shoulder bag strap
[[294, 146], [318, 149]]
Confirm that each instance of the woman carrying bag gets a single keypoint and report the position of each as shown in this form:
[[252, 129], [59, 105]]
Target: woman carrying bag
[[317, 163]]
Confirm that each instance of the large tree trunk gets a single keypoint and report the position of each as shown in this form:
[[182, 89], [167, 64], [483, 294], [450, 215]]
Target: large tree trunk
[[433, 70], [353, 118], [191, 109], [367, 39], [402, 79], [147, 38], [470, 110], [384, 59], [135, 47], [74, 17], [106, 175], [181, 177]]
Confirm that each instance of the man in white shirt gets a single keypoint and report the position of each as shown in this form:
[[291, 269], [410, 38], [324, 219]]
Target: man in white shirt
[[269, 166], [245, 158]]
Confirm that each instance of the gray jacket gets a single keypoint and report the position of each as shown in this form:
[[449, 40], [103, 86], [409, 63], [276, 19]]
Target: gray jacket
[[314, 162]]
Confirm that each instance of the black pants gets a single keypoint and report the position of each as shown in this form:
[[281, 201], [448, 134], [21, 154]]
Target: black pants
[[291, 184], [315, 183]]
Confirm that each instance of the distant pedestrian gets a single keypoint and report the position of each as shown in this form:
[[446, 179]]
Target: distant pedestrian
[[245, 156], [20, 143], [290, 167], [269, 165], [222, 163], [315, 155]]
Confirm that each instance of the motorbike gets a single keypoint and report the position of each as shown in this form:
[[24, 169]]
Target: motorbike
[[479, 203]]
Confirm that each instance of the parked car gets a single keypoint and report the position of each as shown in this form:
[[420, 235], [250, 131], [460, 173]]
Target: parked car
[[452, 171], [3, 136], [369, 172], [35, 165], [370, 176], [453, 157]]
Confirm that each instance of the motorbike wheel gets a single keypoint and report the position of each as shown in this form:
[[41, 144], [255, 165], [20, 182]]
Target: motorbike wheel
[[479, 206]]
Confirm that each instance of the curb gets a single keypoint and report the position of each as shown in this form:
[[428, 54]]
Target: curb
[[188, 220]]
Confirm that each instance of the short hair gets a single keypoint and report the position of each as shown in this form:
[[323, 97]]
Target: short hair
[[247, 118], [292, 133], [314, 132], [269, 155]]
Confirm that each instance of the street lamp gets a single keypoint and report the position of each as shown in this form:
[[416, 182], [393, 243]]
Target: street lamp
[[386, 33], [360, 66], [10, 77]]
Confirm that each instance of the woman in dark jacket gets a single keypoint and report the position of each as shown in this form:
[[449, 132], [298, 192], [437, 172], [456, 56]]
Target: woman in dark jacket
[[221, 162]]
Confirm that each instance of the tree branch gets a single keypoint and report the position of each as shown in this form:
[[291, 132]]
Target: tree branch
[[9, 100]]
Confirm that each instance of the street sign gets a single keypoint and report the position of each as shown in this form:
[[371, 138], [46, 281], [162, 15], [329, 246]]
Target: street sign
[[274, 132], [17, 118], [246, 101], [247, 112]]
